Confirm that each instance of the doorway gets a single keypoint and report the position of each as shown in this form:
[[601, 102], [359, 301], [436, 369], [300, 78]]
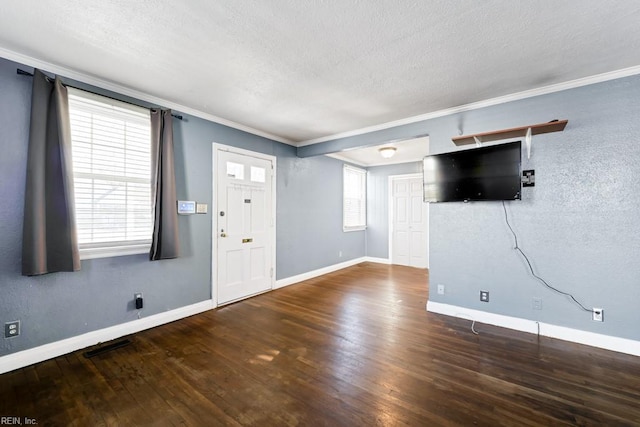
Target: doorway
[[408, 221], [243, 234]]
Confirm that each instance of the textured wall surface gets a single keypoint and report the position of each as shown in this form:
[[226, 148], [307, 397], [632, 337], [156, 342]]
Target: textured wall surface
[[579, 224], [63, 305], [308, 224]]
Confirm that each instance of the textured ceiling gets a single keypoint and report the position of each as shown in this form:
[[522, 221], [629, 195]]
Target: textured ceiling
[[412, 150], [303, 70]]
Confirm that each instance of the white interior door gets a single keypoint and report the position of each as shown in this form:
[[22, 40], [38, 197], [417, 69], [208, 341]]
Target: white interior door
[[409, 223], [244, 223]]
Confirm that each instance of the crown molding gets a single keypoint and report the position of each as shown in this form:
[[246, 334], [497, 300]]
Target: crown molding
[[558, 87], [123, 90], [105, 84]]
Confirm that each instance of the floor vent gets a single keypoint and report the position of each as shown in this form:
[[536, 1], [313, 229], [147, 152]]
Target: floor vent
[[106, 348]]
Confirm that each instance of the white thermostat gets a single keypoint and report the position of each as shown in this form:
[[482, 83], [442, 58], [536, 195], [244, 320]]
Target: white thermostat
[[186, 207]]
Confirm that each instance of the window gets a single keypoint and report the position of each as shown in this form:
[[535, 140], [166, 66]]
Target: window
[[258, 174], [235, 170], [354, 207], [111, 148]]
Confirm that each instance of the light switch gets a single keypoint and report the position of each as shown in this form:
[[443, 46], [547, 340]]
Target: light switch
[[201, 208]]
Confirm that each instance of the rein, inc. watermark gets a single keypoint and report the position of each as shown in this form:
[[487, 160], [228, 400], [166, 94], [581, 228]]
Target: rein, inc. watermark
[[18, 421]]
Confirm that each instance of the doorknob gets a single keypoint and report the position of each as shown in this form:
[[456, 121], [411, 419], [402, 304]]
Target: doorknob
[[223, 234]]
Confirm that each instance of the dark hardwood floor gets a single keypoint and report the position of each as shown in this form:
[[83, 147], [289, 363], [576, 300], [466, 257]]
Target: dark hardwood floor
[[352, 348]]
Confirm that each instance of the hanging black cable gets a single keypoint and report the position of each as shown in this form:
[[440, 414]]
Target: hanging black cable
[[515, 238], [26, 73]]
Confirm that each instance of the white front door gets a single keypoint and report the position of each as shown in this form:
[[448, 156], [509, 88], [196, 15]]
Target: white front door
[[244, 226], [409, 225]]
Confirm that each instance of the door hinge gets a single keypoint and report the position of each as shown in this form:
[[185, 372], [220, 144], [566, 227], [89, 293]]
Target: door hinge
[[271, 272]]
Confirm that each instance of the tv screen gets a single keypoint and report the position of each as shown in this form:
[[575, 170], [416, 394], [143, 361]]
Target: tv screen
[[486, 173]]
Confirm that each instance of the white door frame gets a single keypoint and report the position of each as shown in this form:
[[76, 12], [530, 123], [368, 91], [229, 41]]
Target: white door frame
[[391, 178], [214, 212]]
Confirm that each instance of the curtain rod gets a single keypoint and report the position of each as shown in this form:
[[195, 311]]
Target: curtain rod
[[26, 73]]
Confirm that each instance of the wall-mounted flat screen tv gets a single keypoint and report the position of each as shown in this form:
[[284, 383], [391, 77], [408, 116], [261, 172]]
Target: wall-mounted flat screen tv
[[486, 173]]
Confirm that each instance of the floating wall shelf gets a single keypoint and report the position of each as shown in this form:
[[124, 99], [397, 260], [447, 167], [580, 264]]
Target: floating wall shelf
[[496, 135], [523, 131]]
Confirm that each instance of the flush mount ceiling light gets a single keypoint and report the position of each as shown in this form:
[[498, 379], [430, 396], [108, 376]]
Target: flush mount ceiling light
[[387, 152]]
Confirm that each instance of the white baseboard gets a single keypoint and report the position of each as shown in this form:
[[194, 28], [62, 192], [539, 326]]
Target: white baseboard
[[325, 270], [378, 260], [315, 273], [621, 345], [44, 352]]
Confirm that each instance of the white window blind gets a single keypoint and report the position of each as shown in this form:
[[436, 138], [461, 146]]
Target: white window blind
[[111, 146], [354, 215]]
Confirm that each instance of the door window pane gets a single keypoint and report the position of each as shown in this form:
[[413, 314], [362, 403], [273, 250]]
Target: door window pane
[[235, 170], [257, 174]]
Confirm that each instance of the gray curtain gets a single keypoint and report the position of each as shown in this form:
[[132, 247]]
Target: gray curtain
[[165, 242], [49, 240]]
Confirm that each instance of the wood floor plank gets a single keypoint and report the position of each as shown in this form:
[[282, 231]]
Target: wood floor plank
[[355, 347]]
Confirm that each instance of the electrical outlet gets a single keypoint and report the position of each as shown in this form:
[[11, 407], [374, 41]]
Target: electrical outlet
[[536, 303], [598, 314], [138, 300], [440, 289], [484, 296], [12, 329], [339, 254]]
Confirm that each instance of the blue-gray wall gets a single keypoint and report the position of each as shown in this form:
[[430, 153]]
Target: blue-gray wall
[[311, 218], [63, 305], [378, 205], [579, 225]]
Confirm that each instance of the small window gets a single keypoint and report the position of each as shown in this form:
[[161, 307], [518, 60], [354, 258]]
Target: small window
[[111, 149], [258, 174], [235, 170], [354, 209]]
